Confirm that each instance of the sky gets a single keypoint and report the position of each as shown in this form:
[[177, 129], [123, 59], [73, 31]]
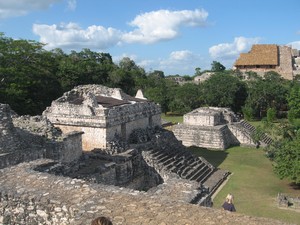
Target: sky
[[174, 36]]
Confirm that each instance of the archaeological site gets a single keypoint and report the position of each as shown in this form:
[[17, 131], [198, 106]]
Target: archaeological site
[[270, 57], [98, 151], [216, 128]]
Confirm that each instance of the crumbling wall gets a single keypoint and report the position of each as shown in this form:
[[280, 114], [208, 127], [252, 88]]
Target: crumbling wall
[[8, 133], [26, 138], [101, 120], [217, 137], [242, 135], [285, 62]]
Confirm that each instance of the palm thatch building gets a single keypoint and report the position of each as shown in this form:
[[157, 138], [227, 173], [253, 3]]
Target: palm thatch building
[[269, 57]]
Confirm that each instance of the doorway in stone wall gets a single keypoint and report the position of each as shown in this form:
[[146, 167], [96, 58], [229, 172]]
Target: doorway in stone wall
[[150, 121], [123, 131]]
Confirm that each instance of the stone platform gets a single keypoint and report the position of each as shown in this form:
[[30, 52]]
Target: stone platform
[[31, 197]]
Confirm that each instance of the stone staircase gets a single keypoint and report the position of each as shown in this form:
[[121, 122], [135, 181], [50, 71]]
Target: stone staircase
[[264, 139], [181, 163]]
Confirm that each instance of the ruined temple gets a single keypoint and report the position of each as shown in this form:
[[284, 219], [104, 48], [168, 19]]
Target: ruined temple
[[25, 138], [215, 128], [103, 114], [46, 178], [270, 57]]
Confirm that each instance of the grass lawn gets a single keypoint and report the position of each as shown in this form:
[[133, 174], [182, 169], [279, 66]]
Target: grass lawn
[[173, 119], [253, 183]]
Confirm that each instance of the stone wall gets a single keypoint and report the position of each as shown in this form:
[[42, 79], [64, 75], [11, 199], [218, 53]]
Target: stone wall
[[26, 138], [68, 149], [242, 135], [31, 197], [285, 62], [217, 137], [8, 132], [288, 202], [216, 128], [92, 137], [101, 113]]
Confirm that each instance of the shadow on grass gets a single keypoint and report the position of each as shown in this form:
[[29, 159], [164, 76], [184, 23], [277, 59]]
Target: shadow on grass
[[295, 186], [215, 157]]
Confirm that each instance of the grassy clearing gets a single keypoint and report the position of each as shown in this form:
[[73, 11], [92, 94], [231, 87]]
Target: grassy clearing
[[173, 119], [252, 182]]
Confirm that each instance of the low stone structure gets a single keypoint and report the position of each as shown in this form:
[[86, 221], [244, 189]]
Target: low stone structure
[[203, 77], [28, 138], [28, 196], [103, 114], [74, 187], [215, 128], [288, 202]]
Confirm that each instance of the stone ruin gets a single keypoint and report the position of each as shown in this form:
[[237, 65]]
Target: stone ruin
[[216, 128], [132, 151], [61, 184], [103, 114], [27, 138], [288, 202]]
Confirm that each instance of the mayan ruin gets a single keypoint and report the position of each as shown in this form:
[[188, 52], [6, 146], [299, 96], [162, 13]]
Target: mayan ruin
[[103, 114], [98, 140], [270, 57], [215, 128]]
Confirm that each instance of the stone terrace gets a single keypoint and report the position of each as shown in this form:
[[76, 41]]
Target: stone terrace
[[31, 197]]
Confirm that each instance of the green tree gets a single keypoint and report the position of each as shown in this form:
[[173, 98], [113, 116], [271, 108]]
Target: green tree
[[128, 76], [223, 90], [217, 67], [27, 75], [271, 115], [84, 67], [197, 71], [186, 98], [287, 160], [160, 90], [294, 100], [267, 92]]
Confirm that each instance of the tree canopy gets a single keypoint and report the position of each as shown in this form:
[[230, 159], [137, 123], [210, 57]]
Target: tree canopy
[[31, 78]]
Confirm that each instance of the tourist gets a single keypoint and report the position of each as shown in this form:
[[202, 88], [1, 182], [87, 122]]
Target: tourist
[[102, 220], [228, 204]]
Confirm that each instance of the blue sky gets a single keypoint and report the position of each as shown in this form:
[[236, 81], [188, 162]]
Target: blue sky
[[175, 36]]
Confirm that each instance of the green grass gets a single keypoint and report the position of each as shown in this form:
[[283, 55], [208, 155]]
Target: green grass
[[252, 182], [173, 119]]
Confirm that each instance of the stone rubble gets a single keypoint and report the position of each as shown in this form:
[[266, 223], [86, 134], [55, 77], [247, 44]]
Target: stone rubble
[[31, 197]]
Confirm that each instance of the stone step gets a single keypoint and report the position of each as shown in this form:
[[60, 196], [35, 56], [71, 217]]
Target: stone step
[[189, 168], [204, 175], [193, 171], [199, 173]]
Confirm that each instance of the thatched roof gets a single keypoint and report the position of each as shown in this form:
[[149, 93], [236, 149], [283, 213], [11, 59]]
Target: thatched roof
[[259, 55]]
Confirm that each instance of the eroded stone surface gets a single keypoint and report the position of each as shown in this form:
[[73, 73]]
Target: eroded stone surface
[[31, 197], [103, 114]]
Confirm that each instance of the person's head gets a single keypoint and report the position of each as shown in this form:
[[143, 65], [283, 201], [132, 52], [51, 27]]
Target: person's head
[[101, 221], [229, 198]]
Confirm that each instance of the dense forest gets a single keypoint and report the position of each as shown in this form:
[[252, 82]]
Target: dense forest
[[32, 77]]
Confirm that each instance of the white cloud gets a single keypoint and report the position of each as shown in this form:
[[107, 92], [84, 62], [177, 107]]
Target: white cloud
[[14, 8], [232, 50], [72, 36], [295, 44], [163, 25], [152, 27], [180, 62], [72, 4], [118, 58]]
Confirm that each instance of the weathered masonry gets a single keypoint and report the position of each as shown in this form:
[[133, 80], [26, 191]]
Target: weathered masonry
[[216, 128], [103, 114], [27, 138], [270, 57]]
